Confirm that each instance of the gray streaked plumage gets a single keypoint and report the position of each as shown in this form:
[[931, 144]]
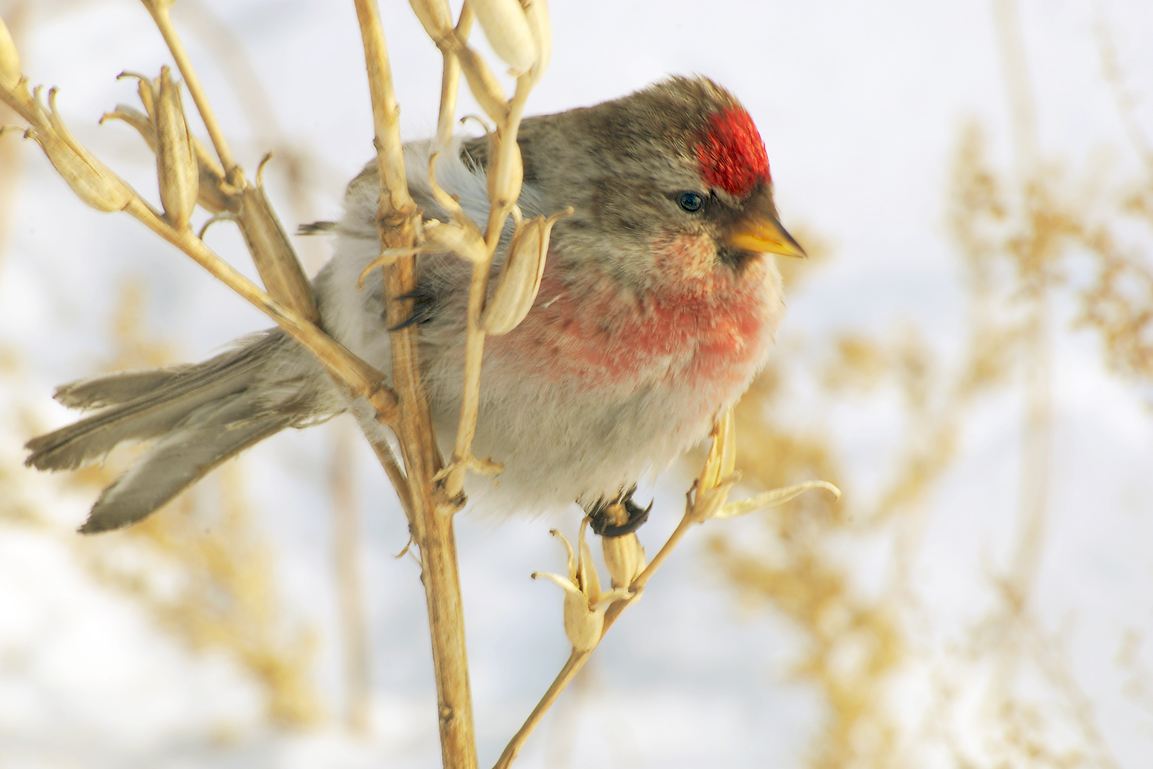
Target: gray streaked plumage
[[583, 437]]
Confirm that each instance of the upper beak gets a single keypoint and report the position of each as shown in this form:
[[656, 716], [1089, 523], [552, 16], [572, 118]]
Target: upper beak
[[762, 233]]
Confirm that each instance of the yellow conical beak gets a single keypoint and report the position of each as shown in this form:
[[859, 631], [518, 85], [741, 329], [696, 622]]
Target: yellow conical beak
[[763, 234]]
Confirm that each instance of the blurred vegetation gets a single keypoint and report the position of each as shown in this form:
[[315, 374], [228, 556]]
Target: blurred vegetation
[[1030, 242]]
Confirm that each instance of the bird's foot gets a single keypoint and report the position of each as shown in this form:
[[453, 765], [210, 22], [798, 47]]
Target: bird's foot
[[423, 308], [618, 517]]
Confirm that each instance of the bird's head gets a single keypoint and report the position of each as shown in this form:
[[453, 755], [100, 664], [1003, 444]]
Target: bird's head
[[669, 182]]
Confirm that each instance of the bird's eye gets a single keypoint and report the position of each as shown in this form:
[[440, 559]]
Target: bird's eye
[[691, 201]]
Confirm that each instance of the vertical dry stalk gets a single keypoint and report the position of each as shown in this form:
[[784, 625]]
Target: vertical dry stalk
[[431, 515]]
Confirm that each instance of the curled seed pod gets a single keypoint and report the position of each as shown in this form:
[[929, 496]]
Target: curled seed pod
[[9, 59], [273, 254], [435, 17], [520, 279], [176, 165], [507, 30], [90, 179]]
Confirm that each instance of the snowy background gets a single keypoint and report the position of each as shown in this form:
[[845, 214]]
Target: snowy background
[[862, 107]]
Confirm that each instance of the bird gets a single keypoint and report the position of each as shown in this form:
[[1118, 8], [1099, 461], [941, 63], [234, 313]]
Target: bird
[[658, 305]]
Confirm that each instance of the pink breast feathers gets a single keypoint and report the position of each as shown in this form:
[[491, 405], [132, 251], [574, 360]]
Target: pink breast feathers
[[607, 340], [731, 154]]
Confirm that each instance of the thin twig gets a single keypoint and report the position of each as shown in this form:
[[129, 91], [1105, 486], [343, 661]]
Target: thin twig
[[364, 380], [573, 665], [504, 153], [578, 659]]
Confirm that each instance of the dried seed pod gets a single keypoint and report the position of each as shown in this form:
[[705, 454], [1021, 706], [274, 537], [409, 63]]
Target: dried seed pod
[[176, 164], [507, 30], [9, 59], [520, 279], [505, 172], [584, 604], [216, 195], [716, 478], [583, 626], [273, 254], [94, 184], [90, 179], [624, 555]]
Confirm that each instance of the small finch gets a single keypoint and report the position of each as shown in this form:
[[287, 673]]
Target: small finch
[[657, 308]]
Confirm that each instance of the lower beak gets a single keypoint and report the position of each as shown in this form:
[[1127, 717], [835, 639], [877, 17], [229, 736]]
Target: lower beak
[[765, 235]]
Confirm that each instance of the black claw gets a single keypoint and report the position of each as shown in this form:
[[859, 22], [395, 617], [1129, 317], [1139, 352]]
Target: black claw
[[606, 519], [316, 228], [423, 308]]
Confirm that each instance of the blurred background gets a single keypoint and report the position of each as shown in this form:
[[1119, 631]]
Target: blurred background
[[968, 354]]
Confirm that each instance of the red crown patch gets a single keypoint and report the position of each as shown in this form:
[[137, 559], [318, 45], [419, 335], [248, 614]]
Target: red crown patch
[[732, 154]]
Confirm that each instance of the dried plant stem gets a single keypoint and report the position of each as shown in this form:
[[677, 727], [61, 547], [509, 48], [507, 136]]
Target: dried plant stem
[[431, 520], [578, 659], [573, 665], [450, 82], [361, 378], [387, 459], [498, 214]]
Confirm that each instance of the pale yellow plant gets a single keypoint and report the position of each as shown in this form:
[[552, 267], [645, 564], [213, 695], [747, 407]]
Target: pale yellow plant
[[431, 491]]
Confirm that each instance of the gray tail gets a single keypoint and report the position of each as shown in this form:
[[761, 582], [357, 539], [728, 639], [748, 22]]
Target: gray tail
[[198, 415]]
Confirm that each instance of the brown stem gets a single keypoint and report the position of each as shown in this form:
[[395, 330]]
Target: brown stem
[[577, 659], [431, 515], [364, 380], [572, 666], [499, 209]]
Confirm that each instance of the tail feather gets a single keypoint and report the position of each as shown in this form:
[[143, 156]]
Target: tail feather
[[117, 388], [199, 416], [141, 406], [177, 462]]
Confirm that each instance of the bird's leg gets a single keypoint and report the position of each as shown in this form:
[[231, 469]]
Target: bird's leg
[[618, 516]]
